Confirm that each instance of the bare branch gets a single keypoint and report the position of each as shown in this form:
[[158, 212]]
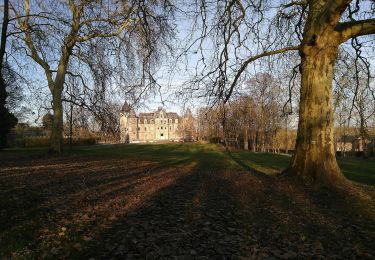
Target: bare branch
[[295, 3], [356, 28], [254, 58]]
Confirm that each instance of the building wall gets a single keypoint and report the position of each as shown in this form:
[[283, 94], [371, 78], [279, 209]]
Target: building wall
[[162, 126]]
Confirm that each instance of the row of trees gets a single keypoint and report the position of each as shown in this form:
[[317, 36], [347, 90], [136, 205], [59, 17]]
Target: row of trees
[[253, 121]]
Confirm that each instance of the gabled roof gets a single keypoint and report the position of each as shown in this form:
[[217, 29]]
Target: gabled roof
[[126, 108], [173, 115], [143, 116]]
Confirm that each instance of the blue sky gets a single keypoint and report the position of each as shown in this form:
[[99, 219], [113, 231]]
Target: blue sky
[[170, 75]]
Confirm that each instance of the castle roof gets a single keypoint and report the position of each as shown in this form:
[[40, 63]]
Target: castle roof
[[126, 108], [169, 115], [172, 115], [146, 116]]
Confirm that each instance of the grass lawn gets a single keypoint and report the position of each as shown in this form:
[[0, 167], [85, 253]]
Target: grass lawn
[[355, 169], [181, 201], [207, 156]]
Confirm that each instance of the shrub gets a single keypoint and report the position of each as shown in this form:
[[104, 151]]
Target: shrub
[[43, 141]]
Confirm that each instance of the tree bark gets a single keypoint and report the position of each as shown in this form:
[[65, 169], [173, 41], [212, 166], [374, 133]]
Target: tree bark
[[314, 160], [245, 140], [56, 143], [4, 30], [56, 87], [71, 127]]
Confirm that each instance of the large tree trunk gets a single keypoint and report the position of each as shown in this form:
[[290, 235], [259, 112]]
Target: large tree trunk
[[56, 144], [56, 88], [314, 160]]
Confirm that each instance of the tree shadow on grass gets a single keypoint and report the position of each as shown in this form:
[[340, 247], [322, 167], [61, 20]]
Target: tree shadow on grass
[[186, 208], [193, 217]]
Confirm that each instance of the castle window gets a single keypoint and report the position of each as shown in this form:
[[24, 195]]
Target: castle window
[[145, 129], [145, 121], [170, 120]]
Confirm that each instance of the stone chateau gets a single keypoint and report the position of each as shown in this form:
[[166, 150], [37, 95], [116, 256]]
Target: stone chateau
[[156, 126]]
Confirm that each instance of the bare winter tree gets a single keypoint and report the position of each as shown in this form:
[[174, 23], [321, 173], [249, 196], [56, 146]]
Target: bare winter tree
[[55, 35], [241, 33], [7, 119], [353, 99]]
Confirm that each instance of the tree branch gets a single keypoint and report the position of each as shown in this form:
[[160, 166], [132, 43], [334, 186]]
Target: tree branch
[[331, 11], [294, 3], [355, 28], [25, 26], [254, 58], [105, 35], [4, 33]]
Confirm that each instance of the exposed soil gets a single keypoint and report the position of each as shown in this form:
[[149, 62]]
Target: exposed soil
[[102, 208]]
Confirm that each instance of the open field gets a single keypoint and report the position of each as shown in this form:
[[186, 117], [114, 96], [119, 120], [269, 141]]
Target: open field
[[176, 200]]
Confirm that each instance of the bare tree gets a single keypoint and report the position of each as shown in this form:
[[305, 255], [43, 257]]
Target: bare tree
[[7, 119], [57, 33], [243, 32]]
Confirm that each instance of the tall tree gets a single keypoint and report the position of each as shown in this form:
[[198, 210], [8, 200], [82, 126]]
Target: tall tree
[[243, 32], [7, 119], [57, 32], [315, 157]]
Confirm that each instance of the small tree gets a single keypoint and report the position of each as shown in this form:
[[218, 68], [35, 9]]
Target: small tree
[[47, 121]]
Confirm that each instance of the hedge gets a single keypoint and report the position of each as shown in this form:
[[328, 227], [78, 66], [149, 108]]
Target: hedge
[[40, 141]]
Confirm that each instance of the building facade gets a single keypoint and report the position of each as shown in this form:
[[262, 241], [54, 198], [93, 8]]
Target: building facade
[[159, 125]]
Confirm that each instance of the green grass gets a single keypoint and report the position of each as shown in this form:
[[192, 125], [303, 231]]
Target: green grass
[[358, 169], [206, 156], [355, 169], [267, 163]]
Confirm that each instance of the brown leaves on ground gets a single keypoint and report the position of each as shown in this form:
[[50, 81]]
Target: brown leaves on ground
[[101, 208]]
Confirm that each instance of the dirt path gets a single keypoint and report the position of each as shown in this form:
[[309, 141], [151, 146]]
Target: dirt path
[[114, 208]]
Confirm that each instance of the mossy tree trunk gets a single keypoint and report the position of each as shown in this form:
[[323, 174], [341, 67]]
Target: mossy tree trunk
[[314, 159]]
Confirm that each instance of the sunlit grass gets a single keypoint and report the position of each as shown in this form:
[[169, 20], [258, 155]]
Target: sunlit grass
[[355, 169], [207, 157]]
